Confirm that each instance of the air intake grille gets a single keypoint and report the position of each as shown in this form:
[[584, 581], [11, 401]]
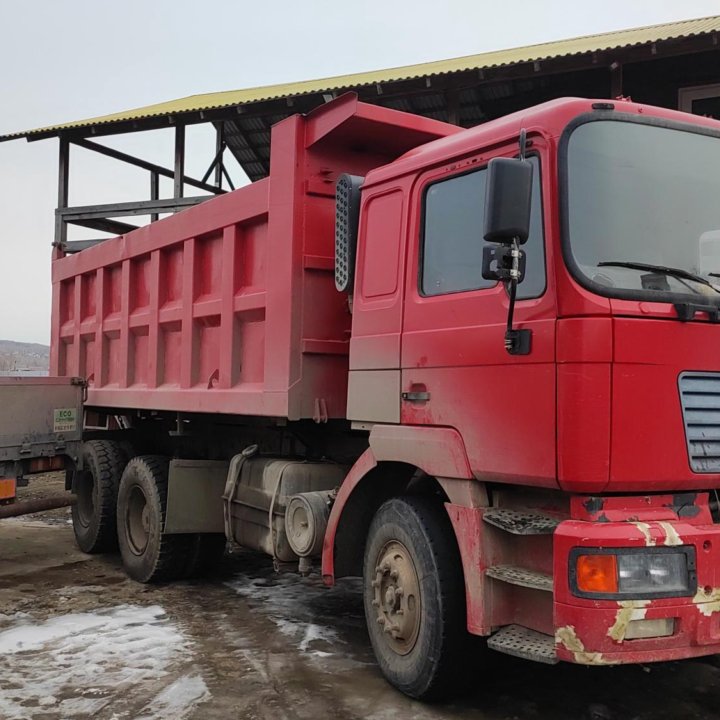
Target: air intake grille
[[700, 399], [347, 213]]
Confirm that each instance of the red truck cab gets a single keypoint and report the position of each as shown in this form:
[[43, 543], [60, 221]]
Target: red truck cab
[[614, 411]]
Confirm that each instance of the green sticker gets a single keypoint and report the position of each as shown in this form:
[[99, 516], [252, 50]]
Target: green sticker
[[65, 420]]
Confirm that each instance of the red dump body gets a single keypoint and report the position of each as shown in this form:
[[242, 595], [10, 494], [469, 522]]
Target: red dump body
[[230, 306]]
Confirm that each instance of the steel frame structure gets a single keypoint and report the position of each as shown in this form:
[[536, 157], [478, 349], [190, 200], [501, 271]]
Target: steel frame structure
[[101, 217]]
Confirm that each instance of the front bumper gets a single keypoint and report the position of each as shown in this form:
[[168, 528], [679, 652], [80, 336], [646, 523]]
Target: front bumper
[[593, 632]]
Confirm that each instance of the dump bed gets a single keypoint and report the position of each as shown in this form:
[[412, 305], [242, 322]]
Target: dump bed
[[230, 306]]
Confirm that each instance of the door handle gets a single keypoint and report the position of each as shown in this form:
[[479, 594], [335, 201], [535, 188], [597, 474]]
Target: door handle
[[416, 396]]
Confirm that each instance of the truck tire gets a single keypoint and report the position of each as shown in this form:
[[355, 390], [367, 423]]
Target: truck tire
[[412, 565], [147, 554], [96, 489], [206, 552]]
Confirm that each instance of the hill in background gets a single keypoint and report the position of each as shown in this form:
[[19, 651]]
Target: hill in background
[[17, 357]]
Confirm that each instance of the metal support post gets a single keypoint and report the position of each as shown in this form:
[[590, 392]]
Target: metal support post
[[452, 98], [179, 161], [63, 193], [154, 192], [219, 150], [616, 80]]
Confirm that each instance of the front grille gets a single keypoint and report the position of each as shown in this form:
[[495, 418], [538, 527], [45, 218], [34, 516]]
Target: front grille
[[700, 400]]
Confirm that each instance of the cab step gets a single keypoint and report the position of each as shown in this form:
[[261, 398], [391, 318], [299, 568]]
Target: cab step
[[521, 576], [521, 522], [524, 643]]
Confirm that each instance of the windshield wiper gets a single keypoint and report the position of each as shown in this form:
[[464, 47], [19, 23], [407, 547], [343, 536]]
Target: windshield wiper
[[673, 272]]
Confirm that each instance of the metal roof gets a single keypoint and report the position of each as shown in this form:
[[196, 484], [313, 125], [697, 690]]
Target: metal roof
[[482, 61]]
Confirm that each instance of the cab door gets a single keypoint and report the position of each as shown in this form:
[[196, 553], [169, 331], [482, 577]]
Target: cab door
[[455, 371]]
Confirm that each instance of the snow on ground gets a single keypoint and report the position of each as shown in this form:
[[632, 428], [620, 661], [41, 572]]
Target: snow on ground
[[74, 665], [303, 609], [176, 699]]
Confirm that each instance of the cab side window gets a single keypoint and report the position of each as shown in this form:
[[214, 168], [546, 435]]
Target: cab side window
[[452, 243]]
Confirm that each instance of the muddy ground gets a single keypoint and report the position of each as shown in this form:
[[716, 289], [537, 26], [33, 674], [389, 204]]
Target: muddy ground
[[79, 640]]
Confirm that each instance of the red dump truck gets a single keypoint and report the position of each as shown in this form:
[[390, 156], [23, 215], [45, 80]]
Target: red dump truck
[[477, 367]]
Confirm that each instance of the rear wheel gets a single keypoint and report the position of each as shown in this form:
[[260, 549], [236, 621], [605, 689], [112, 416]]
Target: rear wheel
[[96, 489], [147, 554], [414, 596]]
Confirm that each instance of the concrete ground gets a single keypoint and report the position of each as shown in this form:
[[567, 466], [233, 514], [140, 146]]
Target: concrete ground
[[79, 640]]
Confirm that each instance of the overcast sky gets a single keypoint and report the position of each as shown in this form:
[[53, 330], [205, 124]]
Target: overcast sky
[[63, 60]]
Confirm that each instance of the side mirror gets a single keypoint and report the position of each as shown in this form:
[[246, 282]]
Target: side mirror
[[507, 200], [507, 222]]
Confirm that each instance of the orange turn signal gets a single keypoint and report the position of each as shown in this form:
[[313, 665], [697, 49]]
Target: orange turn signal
[[597, 573]]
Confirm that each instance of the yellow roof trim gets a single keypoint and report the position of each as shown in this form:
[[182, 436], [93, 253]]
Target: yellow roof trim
[[531, 53]]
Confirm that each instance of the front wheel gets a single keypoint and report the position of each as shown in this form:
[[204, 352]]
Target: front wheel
[[414, 596]]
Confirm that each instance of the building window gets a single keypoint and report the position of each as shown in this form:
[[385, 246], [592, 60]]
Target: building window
[[452, 246], [700, 100]]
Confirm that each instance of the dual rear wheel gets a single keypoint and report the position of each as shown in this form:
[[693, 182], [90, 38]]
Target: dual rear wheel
[[121, 502], [148, 554], [96, 490]]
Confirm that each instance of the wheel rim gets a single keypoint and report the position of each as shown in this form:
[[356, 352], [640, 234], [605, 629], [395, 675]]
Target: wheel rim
[[85, 502], [396, 597], [137, 520]]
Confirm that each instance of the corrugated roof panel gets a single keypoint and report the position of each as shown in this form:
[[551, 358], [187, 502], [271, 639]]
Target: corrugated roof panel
[[531, 53], [402, 104], [425, 103], [471, 115], [252, 124], [245, 155], [496, 91]]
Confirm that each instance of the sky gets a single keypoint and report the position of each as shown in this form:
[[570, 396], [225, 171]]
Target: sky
[[72, 59]]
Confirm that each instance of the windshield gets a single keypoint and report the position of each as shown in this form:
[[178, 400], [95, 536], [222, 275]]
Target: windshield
[[642, 195]]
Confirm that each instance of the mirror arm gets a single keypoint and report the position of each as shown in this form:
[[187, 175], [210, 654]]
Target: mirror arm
[[523, 143], [517, 342]]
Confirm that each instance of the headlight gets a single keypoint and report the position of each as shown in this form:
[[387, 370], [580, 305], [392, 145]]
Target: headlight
[[643, 574], [629, 573]]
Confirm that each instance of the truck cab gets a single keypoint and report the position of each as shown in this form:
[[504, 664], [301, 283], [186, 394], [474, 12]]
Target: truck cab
[[597, 446], [613, 183]]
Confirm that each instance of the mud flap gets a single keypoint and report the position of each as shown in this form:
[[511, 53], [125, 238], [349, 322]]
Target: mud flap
[[195, 497]]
